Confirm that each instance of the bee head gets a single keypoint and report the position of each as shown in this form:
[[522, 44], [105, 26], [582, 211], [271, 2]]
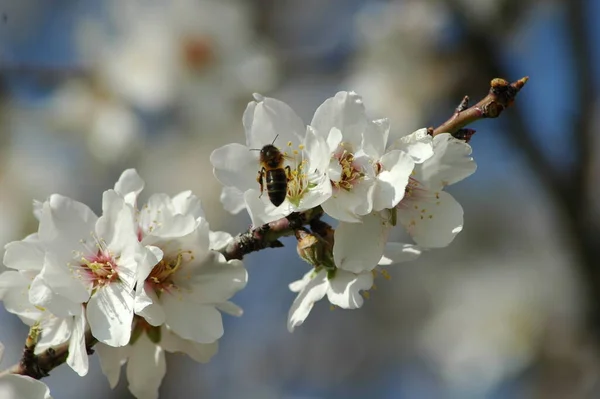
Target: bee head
[[271, 155]]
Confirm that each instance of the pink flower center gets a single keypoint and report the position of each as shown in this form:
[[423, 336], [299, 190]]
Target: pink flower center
[[99, 269]]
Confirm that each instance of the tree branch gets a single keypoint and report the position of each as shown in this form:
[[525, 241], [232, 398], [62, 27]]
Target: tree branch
[[267, 235], [501, 95], [39, 366]]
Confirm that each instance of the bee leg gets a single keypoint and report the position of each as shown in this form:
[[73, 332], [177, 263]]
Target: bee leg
[[288, 172], [260, 180]]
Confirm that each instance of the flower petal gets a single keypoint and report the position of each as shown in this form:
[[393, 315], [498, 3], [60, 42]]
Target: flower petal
[[390, 184], [344, 111], [146, 368], [419, 145], [205, 326], [433, 222], [186, 203], [78, 357], [27, 254], [271, 121], [201, 353], [375, 137], [314, 290], [262, 211], [358, 246], [395, 252], [236, 166], [110, 314], [129, 186], [111, 360], [345, 287], [232, 199], [450, 163], [13, 386]]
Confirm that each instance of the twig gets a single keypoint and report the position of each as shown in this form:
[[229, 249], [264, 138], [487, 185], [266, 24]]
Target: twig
[[267, 235], [501, 95], [39, 366]]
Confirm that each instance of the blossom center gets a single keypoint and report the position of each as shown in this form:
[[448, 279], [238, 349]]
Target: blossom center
[[297, 178], [350, 173], [96, 265], [161, 276]]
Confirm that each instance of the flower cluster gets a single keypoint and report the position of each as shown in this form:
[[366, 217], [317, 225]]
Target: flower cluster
[[360, 174], [139, 280]]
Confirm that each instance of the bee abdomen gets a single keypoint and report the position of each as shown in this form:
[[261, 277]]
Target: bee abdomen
[[276, 185]]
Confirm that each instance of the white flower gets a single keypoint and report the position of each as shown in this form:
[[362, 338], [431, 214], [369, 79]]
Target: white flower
[[27, 257], [86, 259], [236, 166], [190, 283], [341, 287], [145, 358], [13, 386], [433, 217]]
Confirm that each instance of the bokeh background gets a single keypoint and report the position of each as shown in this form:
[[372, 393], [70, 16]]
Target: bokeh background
[[510, 310]]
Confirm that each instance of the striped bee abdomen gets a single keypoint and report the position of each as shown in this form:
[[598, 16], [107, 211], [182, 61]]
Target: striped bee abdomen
[[276, 185]]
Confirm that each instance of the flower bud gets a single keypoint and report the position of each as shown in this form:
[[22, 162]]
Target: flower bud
[[314, 249]]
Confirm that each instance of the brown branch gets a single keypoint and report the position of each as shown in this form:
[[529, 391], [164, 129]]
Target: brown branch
[[501, 96], [268, 235], [39, 366]]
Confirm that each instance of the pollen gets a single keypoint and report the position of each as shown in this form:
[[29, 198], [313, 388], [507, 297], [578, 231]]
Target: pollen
[[161, 276], [350, 175]]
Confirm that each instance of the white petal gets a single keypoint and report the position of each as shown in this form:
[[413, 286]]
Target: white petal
[[117, 226], [13, 386], [375, 137], [390, 185], [270, 119], [219, 239], [395, 252], [450, 163], [419, 145], [358, 246], [129, 186], [148, 306], [110, 314], [212, 279], [344, 288], [24, 255], [346, 112], [62, 281], [64, 222], [205, 326], [230, 308], [15, 297], [146, 368], [187, 203], [433, 222], [55, 331], [235, 165], [78, 358], [317, 151], [313, 291], [334, 138], [111, 360], [262, 211], [201, 353], [232, 199], [348, 206], [41, 295]]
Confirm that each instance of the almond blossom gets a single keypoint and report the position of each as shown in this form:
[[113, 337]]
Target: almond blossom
[[270, 121], [188, 277], [342, 288], [430, 215]]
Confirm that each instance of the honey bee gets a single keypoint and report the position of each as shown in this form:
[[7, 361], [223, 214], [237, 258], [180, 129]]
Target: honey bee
[[273, 171]]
